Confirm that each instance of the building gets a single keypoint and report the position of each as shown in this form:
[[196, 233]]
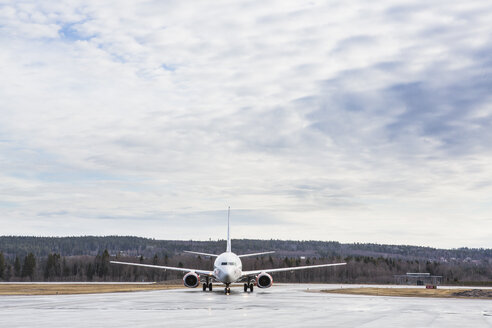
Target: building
[[417, 278]]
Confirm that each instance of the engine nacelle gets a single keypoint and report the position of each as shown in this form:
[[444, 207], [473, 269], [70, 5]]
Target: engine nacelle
[[191, 280], [264, 280]]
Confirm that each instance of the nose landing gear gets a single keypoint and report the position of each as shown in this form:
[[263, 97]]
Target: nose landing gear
[[227, 290]]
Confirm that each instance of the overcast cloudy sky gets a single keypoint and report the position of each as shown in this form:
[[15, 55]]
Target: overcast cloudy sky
[[355, 121]]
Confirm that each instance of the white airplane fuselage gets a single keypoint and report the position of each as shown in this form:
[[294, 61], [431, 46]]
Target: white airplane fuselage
[[228, 268]]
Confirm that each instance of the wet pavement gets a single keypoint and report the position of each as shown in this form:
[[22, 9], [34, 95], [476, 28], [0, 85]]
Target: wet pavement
[[281, 305]]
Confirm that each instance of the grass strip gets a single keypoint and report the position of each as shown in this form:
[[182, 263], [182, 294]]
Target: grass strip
[[67, 289]]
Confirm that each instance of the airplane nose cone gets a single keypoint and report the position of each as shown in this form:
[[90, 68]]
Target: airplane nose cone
[[228, 276]]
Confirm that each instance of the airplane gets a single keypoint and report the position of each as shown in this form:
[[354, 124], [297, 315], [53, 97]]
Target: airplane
[[228, 269]]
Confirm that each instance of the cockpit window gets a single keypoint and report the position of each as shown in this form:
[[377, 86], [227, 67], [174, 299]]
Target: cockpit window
[[228, 263]]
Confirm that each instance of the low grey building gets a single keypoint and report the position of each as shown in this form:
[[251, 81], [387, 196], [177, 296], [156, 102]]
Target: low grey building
[[417, 278]]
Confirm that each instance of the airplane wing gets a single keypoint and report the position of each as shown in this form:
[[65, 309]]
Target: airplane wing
[[204, 272], [256, 254], [250, 273]]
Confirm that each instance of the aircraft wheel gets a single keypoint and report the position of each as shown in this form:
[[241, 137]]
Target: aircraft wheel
[[245, 287], [251, 287], [204, 287], [225, 290], [210, 287]]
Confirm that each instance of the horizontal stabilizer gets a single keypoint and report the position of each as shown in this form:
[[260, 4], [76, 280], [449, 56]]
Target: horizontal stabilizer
[[199, 253], [256, 254]]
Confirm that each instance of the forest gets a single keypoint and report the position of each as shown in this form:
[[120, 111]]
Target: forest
[[87, 259]]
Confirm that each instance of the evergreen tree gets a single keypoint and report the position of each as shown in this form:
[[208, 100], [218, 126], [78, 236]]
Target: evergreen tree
[[155, 261], [102, 264], [29, 266], [166, 260], [8, 273], [105, 263], [53, 266], [65, 268], [90, 271], [2, 266], [17, 267]]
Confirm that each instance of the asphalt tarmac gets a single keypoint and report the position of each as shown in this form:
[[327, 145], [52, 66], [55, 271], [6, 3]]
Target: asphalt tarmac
[[279, 306]]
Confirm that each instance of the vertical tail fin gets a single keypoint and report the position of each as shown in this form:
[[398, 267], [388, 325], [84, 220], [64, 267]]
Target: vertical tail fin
[[228, 230]]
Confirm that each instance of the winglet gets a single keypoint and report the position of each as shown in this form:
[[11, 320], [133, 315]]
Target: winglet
[[228, 230]]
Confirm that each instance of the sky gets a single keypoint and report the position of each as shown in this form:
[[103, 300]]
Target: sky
[[352, 121]]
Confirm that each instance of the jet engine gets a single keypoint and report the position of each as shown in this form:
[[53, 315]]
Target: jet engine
[[191, 280], [264, 280]]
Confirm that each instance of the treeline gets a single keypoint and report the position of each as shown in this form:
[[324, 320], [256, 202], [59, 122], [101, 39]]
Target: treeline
[[359, 269], [87, 259]]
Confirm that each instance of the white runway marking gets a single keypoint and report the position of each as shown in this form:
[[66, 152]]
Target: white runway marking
[[281, 305]]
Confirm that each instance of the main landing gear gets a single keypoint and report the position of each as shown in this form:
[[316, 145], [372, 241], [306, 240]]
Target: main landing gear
[[248, 286], [208, 285]]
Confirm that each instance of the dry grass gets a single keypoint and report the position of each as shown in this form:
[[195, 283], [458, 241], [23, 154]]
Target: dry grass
[[405, 292], [65, 289]]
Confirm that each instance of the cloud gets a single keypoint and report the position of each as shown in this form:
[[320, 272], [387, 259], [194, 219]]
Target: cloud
[[340, 121]]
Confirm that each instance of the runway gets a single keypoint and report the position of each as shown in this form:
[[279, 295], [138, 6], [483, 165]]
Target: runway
[[281, 305]]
